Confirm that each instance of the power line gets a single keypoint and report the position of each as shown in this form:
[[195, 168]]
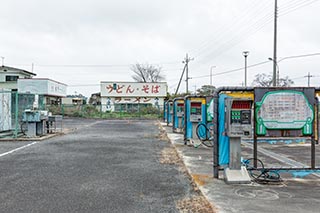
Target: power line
[[93, 65], [298, 56], [258, 64], [298, 6], [240, 35], [234, 26], [233, 70]]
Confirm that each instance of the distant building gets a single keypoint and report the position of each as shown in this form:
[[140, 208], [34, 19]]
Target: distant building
[[53, 91], [131, 96], [9, 77], [73, 100]]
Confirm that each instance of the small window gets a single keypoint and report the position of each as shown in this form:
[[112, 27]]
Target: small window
[[12, 78]]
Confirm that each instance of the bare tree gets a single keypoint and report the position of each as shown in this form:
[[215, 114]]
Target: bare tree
[[265, 80], [146, 73]]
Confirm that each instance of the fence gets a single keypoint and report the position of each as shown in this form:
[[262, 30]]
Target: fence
[[14, 104], [99, 111]]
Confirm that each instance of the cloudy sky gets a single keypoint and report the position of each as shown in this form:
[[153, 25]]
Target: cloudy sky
[[83, 42]]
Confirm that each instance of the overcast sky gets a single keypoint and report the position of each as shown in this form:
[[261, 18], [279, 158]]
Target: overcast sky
[[81, 43]]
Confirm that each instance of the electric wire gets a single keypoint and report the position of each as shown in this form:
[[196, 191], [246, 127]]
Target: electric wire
[[286, 8], [292, 4], [298, 6], [232, 27], [233, 70], [236, 40], [237, 31]]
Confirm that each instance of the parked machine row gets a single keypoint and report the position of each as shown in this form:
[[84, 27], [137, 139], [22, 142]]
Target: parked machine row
[[233, 115]]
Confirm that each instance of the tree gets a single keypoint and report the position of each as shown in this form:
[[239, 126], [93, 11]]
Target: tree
[[146, 73], [206, 90], [265, 80]]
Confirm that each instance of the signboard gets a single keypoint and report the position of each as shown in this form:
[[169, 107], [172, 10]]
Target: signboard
[[133, 89], [284, 109], [42, 86]]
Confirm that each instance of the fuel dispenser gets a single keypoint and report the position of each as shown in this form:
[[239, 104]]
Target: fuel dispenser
[[238, 125], [165, 108], [195, 113], [178, 115], [169, 112]]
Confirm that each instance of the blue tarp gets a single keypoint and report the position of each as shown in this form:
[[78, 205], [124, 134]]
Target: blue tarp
[[223, 140]]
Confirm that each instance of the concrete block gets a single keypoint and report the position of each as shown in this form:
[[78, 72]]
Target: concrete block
[[237, 176]]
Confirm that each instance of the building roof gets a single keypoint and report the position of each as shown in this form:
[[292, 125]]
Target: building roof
[[42, 79], [6, 68]]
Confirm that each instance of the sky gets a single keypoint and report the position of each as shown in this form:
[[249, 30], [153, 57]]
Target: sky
[[83, 42]]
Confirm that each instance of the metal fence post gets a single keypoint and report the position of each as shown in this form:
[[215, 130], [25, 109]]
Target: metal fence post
[[16, 115]]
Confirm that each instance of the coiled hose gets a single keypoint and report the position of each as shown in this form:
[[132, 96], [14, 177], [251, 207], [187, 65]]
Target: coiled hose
[[261, 174], [204, 134]]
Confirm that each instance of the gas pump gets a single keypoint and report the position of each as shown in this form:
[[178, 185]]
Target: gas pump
[[169, 112], [165, 108], [195, 113], [178, 115], [238, 125]]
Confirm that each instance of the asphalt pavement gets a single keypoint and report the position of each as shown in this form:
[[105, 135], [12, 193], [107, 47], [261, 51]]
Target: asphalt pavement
[[99, 166]]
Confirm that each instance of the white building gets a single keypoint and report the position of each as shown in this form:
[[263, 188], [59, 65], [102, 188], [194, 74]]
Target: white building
[[9, 77], [128, 96], [52, 90], [73, 101]]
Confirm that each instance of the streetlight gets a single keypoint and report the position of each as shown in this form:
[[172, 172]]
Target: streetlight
[[245, 54], [2, 60], [211, 74], [275, 79]]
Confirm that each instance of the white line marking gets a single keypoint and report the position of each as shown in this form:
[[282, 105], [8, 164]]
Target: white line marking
[[17, 149]]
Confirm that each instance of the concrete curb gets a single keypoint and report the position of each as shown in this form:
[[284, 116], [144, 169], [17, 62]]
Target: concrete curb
[[37, 138], [188, 171]]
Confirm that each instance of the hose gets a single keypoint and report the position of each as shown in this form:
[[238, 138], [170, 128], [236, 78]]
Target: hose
[[203, 133], [259, 173]]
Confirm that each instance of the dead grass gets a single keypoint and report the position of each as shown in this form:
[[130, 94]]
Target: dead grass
[[196, 204], [170, 156]]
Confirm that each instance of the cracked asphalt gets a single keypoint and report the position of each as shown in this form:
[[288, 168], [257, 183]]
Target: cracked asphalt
[[101, 166]]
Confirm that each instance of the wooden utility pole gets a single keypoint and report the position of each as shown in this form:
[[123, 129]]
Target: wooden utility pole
[[308, 76], [186, 61]]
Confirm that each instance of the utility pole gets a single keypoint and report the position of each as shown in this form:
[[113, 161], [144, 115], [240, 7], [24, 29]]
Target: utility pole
[[184, 68], [186, 61], [308, 76], [211, 74], [2, 60], [274, 77]]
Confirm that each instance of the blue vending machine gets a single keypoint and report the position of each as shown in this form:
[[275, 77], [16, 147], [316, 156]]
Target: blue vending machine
[[178, 115], [195, 113], [169, 112], [165, 108]]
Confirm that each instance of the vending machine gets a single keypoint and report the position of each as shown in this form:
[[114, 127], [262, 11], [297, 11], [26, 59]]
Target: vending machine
[[238, 125], [195, 113], [178, 115]]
